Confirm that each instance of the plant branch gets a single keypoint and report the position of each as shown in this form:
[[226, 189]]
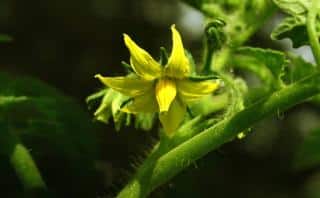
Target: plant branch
[[22, 162], [180, 157], [311, 29]]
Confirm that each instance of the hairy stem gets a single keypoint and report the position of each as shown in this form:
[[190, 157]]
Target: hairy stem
[[311, 28], [185, 154], [180, 157]]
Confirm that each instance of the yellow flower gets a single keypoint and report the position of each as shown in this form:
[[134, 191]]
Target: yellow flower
[[155, 88]]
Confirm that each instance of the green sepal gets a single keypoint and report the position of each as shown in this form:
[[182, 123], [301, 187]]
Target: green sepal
[[127, 66], [192, 63], [145, 121], [202, 78], [163, 56], [124, 103], [111, 103]]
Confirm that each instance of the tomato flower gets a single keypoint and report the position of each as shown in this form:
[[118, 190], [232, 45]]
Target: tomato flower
[[155, 88]]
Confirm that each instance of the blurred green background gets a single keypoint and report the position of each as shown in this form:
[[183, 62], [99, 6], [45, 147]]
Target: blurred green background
[[65, 43]]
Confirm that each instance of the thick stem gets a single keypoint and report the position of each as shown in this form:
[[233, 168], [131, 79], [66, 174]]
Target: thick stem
[[26, 169], [22, 162], [180, 157], [185, 154], [311, 28]]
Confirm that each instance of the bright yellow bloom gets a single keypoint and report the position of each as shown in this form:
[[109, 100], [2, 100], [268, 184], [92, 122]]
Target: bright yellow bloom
[[155, 88]]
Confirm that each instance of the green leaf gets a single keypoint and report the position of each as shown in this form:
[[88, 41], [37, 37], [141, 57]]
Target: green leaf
[[307, 155], [293, 28], [144, 121], [293, 7], [223, 4], [261, 59], [299, 68], [164, 56], [52, 125]]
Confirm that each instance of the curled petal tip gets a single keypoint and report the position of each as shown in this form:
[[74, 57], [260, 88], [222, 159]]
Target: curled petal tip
[[126, 37], [97, 76]]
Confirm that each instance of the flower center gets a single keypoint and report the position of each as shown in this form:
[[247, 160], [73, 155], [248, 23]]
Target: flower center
[[166, 91]]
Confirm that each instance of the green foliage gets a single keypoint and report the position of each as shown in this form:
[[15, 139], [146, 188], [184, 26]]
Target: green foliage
[[268, 64], [299, 68], [294, 25], [284, 81], [40, 126], [47, 122], [293, 7], [36, 110]]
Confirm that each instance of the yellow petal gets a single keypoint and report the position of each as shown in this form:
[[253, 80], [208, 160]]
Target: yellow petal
[[165, 93], [178, 65], [129, 85], [141, 61], [190, 91], [146, 103], [172, 119]]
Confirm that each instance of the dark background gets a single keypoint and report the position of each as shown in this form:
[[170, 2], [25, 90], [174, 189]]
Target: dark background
[[65, 43]]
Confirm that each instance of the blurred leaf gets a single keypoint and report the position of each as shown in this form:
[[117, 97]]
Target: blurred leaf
[[294, 26], [210, 104], [260, 60], [293, 7], [54, 127], [7, 100], [308, 153], [108, 105], [299, 68], [5, 38]]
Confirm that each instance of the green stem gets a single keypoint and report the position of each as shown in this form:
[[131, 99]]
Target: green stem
[[138, 186], [208, 56], [26, 169], [177, 159], [22, 162], [311, 28], [174, 161]]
